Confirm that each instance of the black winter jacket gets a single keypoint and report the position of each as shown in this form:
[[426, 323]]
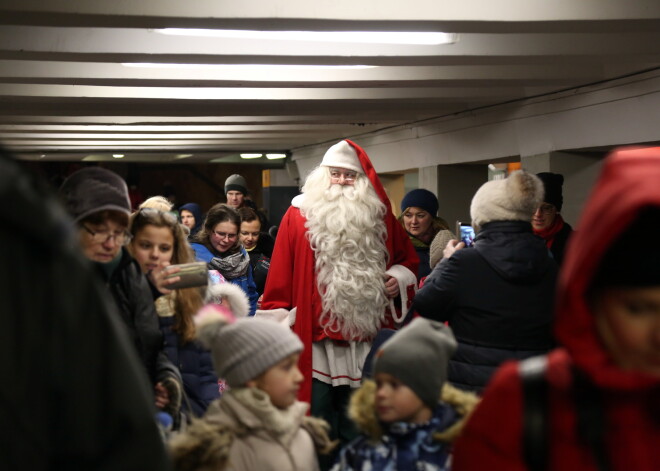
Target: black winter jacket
[[73, 393], [497, 297], [134, 300]]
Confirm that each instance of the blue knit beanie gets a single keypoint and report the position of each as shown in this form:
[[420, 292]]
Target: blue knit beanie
[[420, 198]]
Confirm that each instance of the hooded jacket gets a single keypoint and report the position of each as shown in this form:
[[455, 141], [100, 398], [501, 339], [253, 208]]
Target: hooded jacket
[[408, 446], [197, 213], [497, 297], [631, 404]]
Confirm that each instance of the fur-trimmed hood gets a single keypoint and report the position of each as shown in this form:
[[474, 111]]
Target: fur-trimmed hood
[[362, 410]]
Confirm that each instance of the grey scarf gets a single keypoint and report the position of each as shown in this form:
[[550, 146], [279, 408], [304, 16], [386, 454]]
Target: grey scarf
[[231, 266]]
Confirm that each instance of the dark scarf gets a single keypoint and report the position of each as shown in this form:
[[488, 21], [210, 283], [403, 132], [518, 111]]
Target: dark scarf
[[548, 234]]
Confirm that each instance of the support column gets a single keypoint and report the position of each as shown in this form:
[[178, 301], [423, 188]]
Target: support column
[[580, 171], [456, 185]]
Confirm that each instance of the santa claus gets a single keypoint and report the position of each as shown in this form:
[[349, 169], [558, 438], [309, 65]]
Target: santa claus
[[342, 269]]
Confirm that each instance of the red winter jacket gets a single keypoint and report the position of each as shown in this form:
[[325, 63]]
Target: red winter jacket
[[491, 440]]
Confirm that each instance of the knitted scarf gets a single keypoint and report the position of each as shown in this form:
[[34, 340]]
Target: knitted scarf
[[231, 266]]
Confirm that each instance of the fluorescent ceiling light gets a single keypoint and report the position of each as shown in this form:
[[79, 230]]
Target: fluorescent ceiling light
[[248, 67], [366, 37], [251, 156], [275, 156], [183, 156], [118, 156]]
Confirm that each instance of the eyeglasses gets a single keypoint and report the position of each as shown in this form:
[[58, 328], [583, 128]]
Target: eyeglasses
[[101, 237], [224, 235], [546, 208], [336, 174]]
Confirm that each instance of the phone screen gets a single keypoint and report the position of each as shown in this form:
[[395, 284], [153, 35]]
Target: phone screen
[[465, 233]]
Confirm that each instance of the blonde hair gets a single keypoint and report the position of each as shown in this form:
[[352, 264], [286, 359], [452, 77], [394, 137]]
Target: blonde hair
[[157, 202]]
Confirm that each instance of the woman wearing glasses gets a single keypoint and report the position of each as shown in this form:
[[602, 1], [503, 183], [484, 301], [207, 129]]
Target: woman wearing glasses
[[158, 240], [218, 245], [97, 199]]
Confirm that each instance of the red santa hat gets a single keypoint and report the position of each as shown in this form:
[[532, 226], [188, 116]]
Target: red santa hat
[[342, 155]]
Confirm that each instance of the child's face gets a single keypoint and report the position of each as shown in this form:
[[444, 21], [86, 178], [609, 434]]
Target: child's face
[[281, 382], [152, 246], [628, 322], [396, 402]]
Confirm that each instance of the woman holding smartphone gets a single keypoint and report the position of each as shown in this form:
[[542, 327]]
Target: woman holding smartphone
[[158, 241], [218, 245]]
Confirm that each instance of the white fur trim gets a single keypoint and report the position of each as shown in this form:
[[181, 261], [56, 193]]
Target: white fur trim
[[342, 155], [513, 199], [240, 306], [281, 315], [297, 201], [405, 278]]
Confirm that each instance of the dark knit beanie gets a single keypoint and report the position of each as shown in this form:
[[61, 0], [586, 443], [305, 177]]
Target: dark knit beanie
[[94, 189], [421, 198], [418, 356], [552, 184], [236, 182], [633, 260]]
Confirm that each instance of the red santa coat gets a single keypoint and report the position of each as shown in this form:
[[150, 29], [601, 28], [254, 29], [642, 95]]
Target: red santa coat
[[292, 275], [631, 400]]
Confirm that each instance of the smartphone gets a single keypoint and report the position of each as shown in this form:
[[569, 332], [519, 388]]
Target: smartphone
[[465, 233], [192, 274]]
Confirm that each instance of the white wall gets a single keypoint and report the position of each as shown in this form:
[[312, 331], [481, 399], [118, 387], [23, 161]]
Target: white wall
[[620, 112]]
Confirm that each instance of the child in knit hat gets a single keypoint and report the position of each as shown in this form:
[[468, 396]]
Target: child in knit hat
[[408, 414], [258, 424]]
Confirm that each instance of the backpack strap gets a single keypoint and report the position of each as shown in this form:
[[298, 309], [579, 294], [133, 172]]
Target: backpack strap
[[535, 412], [591, 418]]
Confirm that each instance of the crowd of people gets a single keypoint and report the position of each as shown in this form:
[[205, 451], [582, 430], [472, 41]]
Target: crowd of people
[[353, 340]]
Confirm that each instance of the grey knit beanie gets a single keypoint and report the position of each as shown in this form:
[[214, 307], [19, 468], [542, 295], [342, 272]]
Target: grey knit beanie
[[245, 349], [94, 189], [438, 245], [236, 182], [418, 356], [514, 198]]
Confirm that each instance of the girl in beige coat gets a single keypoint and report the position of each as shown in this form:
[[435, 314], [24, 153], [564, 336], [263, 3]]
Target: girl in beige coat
[[257, 424]]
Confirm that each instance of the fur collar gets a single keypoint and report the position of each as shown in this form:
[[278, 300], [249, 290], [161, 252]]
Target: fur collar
[[362, 411]]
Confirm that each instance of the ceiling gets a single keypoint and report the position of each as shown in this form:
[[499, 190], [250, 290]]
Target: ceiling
[[66, 92]]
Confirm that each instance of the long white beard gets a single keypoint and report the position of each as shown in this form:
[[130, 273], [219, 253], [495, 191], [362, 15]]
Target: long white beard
[[347, 233]]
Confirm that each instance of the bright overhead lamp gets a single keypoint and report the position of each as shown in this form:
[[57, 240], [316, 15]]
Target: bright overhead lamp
[[252, 68], [275, 156], [251, 156], [118, 156], [427, 38], [182, 156]]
